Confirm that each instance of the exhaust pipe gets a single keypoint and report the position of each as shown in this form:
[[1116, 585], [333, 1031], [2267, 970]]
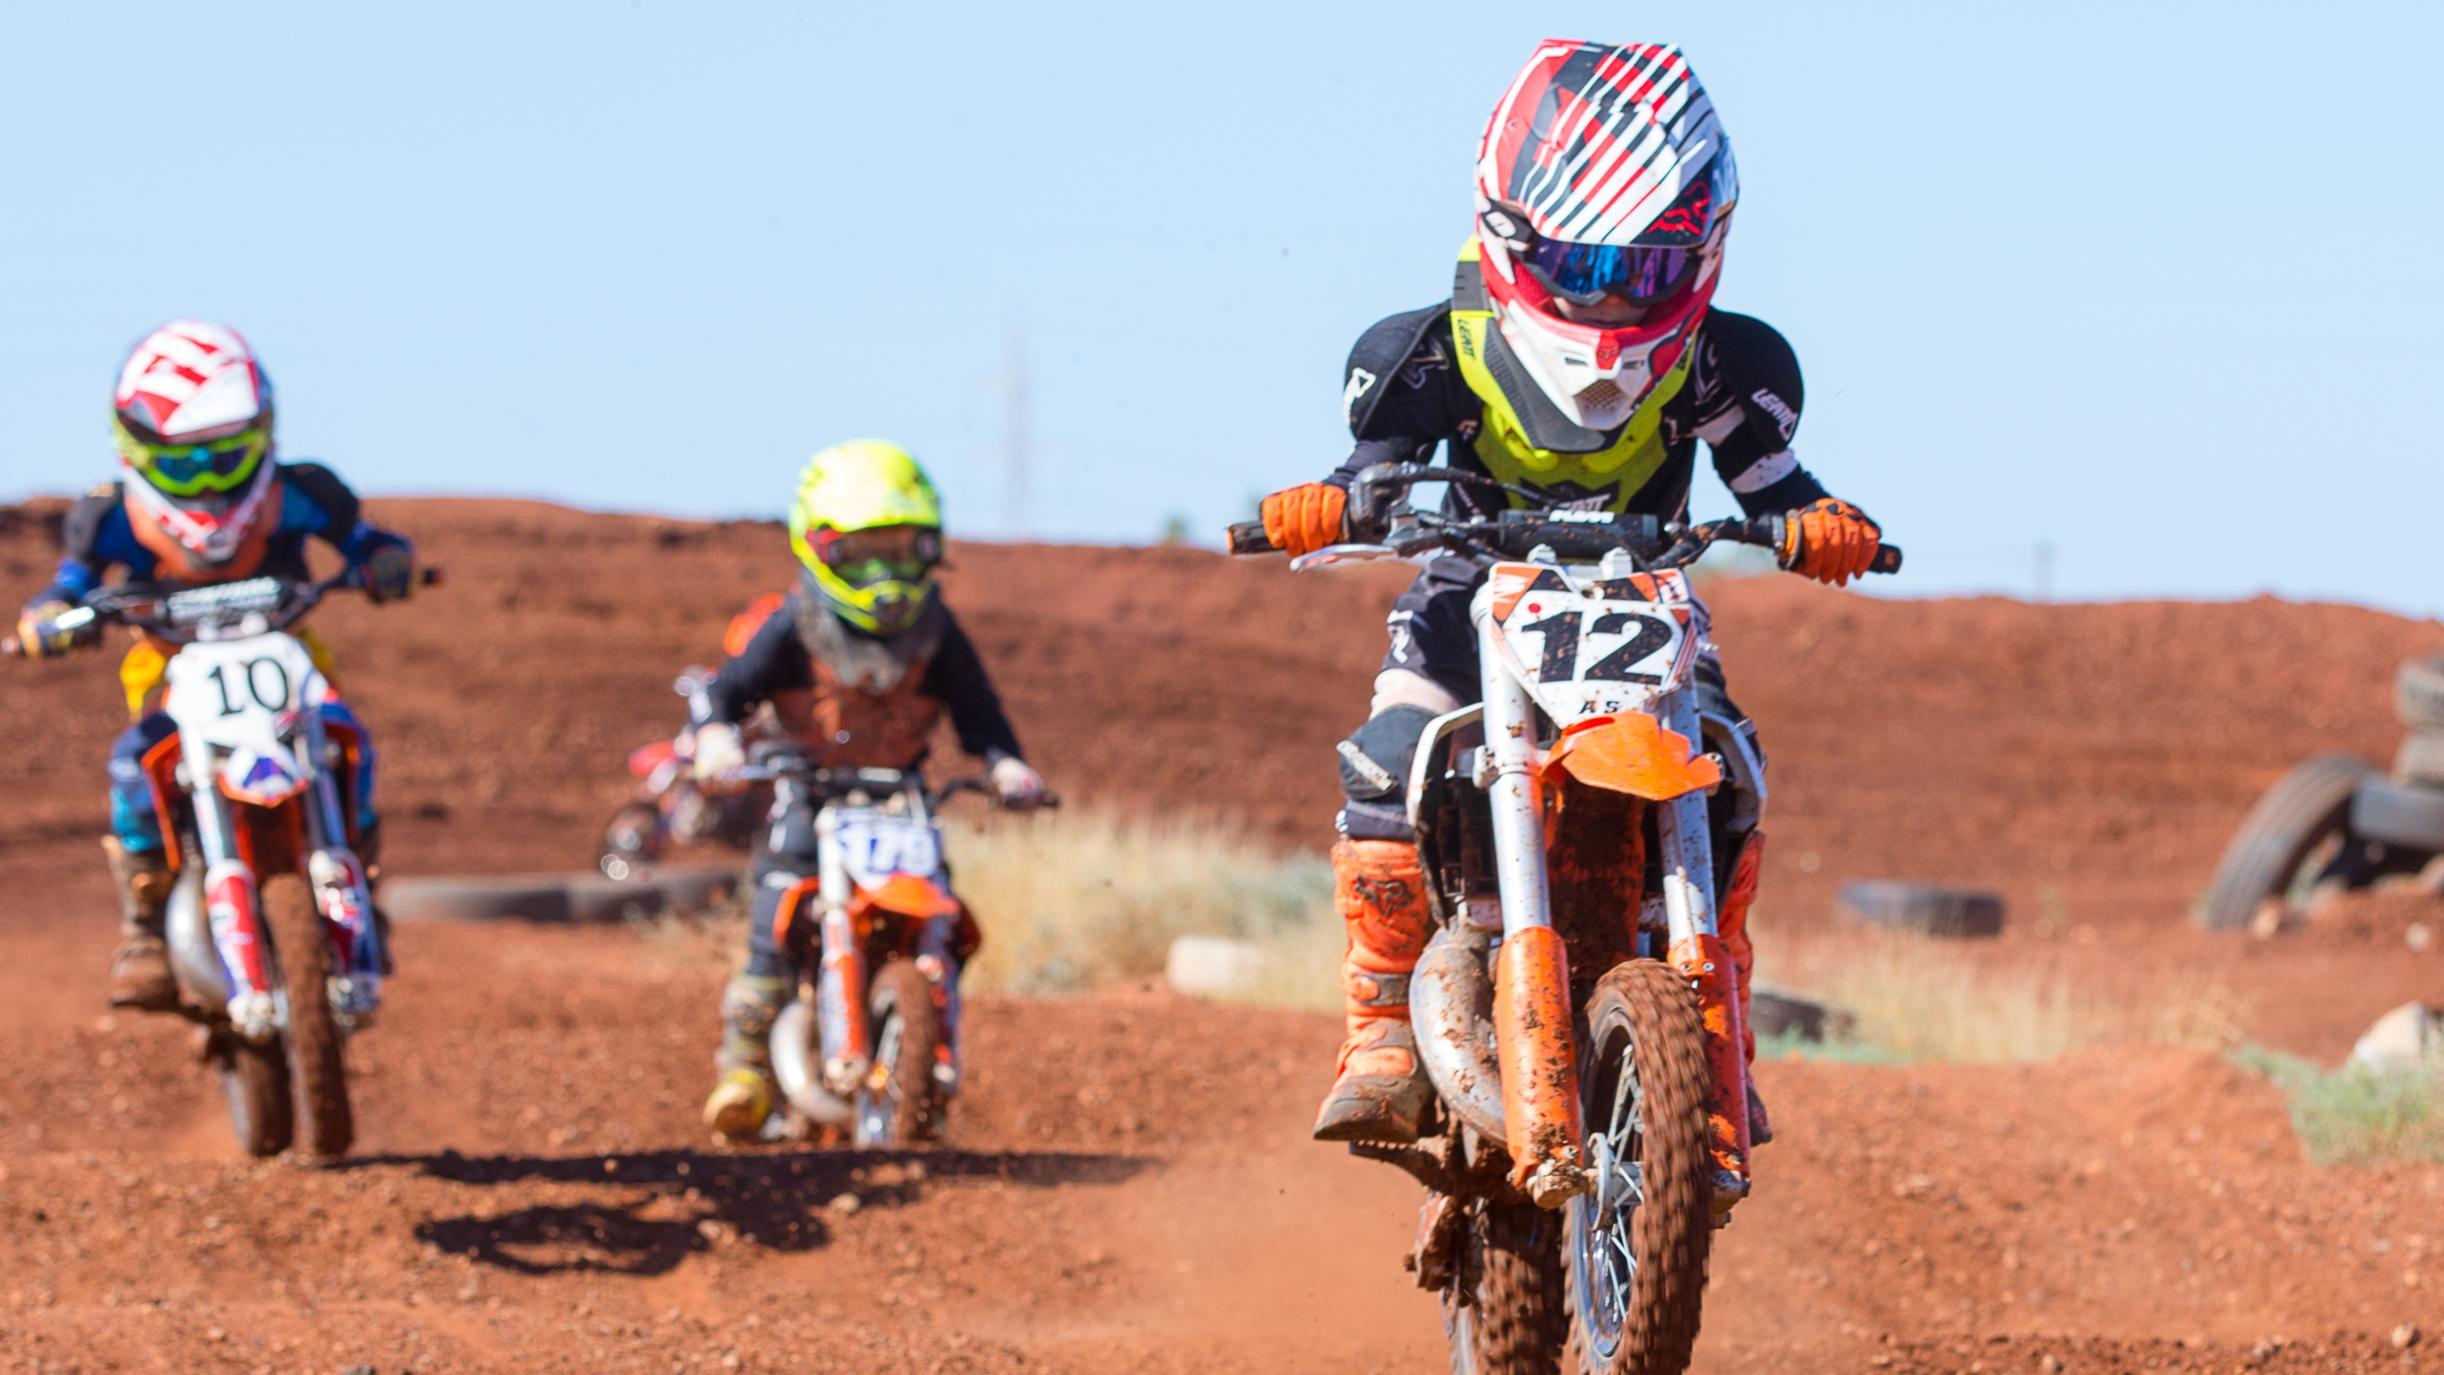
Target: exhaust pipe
[[1451, 1009], [795, 1069], [194, 960]]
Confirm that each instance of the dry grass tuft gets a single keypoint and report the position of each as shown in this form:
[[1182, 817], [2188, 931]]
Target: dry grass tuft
[[1072, 900], [1922, 999]]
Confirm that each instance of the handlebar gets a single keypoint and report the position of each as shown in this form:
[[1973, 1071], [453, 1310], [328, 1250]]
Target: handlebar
[[774, 768], [1572, 535], [176, 614]]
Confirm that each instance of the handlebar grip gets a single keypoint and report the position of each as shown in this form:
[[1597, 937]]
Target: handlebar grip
[[10, 649], [1887, 559], [430, 577], [1248, 537]]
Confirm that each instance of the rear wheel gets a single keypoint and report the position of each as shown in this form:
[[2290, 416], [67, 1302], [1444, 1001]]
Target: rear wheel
[[255, 1081], [897, 1104], [1637, 1245], [1502, 1311], [318, 1066]]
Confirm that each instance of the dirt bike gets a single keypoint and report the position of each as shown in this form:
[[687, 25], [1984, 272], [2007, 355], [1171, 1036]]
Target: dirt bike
[[672, 807], [1575, 1008], [270, 900], [872, 1048]]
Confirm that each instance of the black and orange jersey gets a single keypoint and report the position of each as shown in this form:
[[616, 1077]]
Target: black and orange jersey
[[829, 682]]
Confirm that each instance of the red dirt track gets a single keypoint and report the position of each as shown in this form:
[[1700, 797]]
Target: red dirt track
[[1129, 1187]]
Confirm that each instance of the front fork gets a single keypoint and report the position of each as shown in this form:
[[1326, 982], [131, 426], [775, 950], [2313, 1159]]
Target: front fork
[[1532, 1016], [840, 969], [343, 892], [234, 910], [1697, 953], [1541, 1113], [841, 976]]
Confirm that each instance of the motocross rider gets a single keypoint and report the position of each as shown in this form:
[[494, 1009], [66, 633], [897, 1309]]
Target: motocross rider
[[202, 499], [1577, 356], [858, 665]]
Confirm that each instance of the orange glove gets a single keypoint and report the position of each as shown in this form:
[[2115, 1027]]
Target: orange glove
[[1303, 519], [1830, 541]]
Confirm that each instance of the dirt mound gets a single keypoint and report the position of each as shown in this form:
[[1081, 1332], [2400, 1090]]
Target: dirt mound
[[1130, 1188], [2089, 760]]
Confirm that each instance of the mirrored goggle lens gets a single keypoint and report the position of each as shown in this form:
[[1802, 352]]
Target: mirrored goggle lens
[[861, 557], [218, 466], [1587, 273]]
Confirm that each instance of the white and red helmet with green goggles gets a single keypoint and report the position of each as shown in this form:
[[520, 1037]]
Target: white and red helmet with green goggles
[[1604, 190], [193, 420]]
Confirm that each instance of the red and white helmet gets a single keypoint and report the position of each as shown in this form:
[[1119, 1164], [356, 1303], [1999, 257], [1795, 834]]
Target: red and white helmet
[[193, 420], [1604, 172]]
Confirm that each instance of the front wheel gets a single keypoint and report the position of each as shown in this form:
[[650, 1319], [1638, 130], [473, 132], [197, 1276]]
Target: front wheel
[[255, 1081], [897, 1104], [1637, 1245], [1502, 1309], [631, 842], [318, 1065]]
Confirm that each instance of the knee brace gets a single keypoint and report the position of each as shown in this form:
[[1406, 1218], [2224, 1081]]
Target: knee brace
[[1375, 763]]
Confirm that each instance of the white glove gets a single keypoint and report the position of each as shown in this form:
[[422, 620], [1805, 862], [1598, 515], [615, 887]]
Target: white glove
[[720, 751], [1016, 784]]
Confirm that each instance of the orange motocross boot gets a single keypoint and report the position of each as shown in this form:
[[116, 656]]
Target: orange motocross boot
[[1381, 1092]]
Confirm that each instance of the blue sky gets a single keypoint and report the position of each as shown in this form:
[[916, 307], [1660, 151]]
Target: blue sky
[[2154, 284]]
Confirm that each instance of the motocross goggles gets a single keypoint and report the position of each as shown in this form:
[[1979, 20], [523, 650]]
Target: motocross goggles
[[1661, 263], [190, 470], [1585, 273], [862, 558]]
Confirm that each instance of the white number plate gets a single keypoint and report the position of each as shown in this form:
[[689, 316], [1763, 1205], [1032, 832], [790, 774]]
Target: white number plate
[[875, 845], [1598, 648]]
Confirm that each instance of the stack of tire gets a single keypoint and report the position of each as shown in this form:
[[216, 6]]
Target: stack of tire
[[2335, 824]]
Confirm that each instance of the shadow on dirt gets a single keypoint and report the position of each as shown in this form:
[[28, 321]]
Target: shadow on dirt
[[661, 1206]]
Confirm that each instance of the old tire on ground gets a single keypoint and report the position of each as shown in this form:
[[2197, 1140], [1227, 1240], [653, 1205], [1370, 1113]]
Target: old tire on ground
[[2294, 838], [1510, 1319], [1645, 1087], [2406, 816], [664, 892], [318, 1064], [552, 899], [898, 1104], [1775, 1013], [2418, 692], [1955, 913], [255, 1081], [528, 897], [2420, 759]]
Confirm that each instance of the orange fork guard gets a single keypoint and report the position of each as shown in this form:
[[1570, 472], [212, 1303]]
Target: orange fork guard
[[1705, 961], [1632, 753], [1539, 1076]]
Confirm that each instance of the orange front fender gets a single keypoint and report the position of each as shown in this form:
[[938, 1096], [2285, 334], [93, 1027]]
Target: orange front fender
[[906, 895], [1633, 753]]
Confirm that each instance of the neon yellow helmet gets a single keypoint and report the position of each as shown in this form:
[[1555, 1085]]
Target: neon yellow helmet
[[867, 524]]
